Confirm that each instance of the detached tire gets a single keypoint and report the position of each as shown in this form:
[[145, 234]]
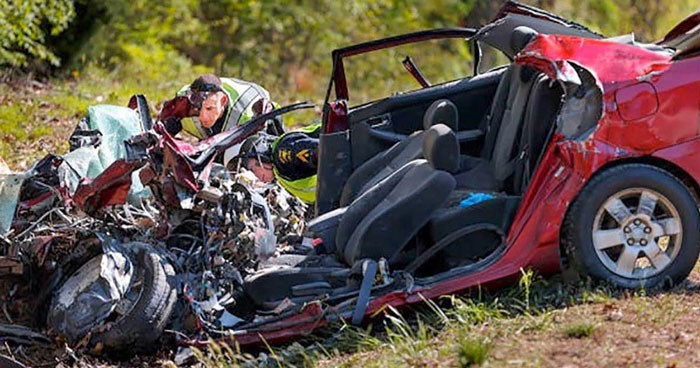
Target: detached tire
[[143, 324], [633, 225]]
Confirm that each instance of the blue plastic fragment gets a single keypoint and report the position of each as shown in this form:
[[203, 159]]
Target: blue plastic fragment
[[474, 198]]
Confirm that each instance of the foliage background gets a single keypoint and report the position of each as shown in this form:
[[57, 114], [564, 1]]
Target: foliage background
[[59, 56]]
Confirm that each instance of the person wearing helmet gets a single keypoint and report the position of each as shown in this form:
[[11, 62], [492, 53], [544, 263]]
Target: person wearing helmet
[[215, 105], [255, 156], [291, 159]]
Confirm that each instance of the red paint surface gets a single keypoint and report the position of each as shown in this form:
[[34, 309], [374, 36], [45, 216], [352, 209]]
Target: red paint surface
[[612, 62], [109, 188], [637, 101]]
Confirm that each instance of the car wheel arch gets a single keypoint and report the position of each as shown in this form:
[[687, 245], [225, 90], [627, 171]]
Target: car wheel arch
[[670, 167]]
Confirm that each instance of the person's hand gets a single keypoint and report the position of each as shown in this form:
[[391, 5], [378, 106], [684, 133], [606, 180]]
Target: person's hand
[[178, 107]]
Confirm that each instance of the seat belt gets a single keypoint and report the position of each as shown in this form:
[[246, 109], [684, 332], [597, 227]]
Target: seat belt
[[444, 242], [369, 272]]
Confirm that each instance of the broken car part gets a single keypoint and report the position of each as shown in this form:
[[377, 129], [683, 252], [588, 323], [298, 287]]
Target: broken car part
[[123, 298]]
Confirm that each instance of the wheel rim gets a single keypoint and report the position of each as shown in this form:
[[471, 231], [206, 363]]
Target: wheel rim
[[637, 233]]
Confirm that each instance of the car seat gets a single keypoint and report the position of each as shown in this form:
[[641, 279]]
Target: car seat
[[366, 229], [385, 163]]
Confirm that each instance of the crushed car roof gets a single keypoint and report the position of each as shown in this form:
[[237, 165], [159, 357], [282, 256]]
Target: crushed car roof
[[684, 37]]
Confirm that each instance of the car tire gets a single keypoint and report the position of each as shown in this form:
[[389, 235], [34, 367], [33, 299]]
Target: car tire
[[143, 324], [651, 243]]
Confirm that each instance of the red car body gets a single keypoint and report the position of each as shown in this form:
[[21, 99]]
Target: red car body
[[649, 113]]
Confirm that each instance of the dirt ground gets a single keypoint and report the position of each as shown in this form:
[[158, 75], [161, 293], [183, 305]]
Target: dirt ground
[[660, 330]]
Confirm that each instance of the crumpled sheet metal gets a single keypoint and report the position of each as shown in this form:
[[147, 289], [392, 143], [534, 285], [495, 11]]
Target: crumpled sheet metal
[[92, 294], [116, 124], [681, 36], [583, 104], [610, 61], [111, 187]]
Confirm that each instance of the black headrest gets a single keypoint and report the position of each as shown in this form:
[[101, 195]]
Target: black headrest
[[441, 148], [521, 37], [441, 112]]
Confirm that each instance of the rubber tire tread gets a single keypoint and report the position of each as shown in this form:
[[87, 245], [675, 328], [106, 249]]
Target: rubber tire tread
[[144, 324]]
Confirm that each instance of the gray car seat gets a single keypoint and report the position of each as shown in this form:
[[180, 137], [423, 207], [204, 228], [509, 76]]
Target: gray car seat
[[497, 161], [494, 165], [384, 164], [538, 128], [367, 228], [405, 200], [457, 236]]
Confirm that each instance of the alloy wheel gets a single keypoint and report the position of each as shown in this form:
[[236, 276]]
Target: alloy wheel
[[637, 233]]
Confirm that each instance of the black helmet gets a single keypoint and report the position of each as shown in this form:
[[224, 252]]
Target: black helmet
[[257, 146]]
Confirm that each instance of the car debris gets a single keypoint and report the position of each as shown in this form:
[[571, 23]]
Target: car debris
[[10, 185], [131, 235], [21, 335], [184, 356], [159, 237], [92, 293], [6, 361], [10, 266]]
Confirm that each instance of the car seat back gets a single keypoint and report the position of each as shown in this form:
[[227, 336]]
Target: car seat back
[[384, 164], [504, 123], [383, 219], [538, 125]]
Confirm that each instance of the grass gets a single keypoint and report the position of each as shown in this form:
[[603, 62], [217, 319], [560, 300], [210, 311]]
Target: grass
[[521, 325], [38, 117], [579, 330], [472, 352]]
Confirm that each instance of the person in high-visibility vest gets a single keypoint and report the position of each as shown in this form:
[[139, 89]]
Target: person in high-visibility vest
[[291, 159], [215, 105]]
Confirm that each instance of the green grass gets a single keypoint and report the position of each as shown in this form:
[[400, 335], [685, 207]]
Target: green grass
[[579, 330], [452, 331], [38, 117], [472, 352]]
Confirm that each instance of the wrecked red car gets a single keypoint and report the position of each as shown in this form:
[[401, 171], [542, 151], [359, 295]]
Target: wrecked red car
[[579, 152]]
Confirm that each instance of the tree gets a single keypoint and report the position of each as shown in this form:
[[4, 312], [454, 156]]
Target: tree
[[24, 25]]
